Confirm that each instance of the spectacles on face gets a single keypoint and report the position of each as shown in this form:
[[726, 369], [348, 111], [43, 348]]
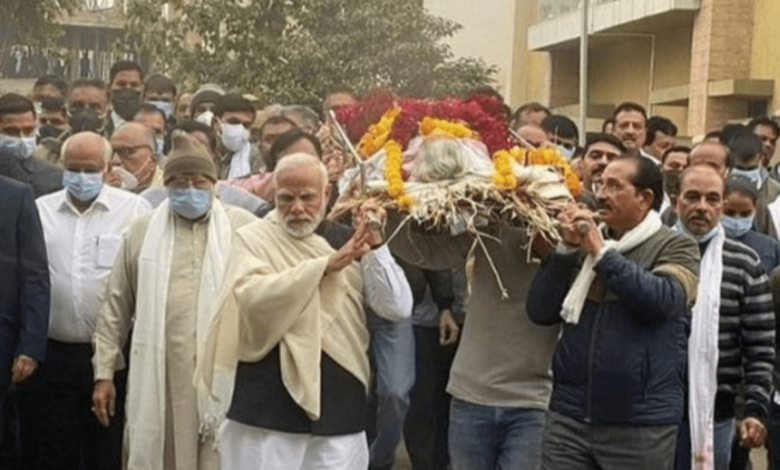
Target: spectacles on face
[[183, 182], [129, 153], [57, 122]]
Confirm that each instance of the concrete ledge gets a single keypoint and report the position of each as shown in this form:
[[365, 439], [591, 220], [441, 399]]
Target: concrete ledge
[[741, 88], [646, 15], [677, 95]]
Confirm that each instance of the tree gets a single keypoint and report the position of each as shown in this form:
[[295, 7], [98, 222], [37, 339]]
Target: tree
[[32, 23], [295, 51]]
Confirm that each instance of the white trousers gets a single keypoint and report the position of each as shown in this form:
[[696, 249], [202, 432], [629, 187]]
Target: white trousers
[[243, 447]]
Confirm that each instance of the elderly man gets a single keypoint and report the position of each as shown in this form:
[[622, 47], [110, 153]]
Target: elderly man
[[83, 225], [133, 166], [292, 327], [618, 392], [733, 332], [164, 283]]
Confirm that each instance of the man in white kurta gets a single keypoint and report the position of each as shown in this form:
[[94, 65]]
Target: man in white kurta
[[83, 226], [291, 329], [162, 286]]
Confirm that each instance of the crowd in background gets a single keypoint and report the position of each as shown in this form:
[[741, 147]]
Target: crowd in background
[[668, 227]]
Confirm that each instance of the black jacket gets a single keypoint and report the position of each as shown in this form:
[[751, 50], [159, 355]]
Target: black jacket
[[625, 362], [24, 277]]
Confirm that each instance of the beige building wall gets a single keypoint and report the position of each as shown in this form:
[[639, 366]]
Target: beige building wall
[[765, 56]]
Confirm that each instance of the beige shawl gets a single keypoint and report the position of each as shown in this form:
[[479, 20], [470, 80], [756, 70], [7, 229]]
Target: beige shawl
[[275, 292]]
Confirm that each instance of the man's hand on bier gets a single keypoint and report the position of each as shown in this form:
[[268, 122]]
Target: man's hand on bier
[[752, 433], [372, 216]]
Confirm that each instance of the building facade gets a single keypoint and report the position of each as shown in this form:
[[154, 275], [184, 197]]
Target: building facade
[[701, 63]]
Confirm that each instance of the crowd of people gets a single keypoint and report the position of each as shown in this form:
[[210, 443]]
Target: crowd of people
[[175, 296]]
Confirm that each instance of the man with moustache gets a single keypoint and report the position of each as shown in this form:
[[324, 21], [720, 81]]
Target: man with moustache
[[733, 330], [292, 329], [617, 389], [599, 151], [631, 128]]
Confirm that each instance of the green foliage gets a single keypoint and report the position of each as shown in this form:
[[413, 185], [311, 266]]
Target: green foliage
[[33, 22], [295, 51]]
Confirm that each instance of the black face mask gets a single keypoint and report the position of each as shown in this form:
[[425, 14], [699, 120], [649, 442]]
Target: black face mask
[[87, 120], [48, 131], [672, 182], [126, 102]]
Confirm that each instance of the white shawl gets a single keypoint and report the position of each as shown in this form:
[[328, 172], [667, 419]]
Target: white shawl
[[578, 293], [145, 430], [703, 355]]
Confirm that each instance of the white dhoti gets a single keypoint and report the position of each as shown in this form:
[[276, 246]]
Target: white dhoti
[[243, 447]]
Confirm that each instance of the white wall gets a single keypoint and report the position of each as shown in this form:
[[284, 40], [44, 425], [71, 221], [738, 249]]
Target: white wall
[[488, 32]]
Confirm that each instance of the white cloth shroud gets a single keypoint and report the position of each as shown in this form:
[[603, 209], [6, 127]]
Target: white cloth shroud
[[578, 293], [145, 429]]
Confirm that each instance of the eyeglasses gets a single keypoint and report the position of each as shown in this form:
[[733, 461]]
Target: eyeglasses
[[125, 153], [74, 108], [53, 121]]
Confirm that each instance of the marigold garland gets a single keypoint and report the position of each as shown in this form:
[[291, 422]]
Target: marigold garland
[[504, 175], [432, 126], [551, 157], [378, 133], [394, 159]]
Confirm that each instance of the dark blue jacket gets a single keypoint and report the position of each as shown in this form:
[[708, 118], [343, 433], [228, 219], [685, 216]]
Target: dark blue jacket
[[24, 277], [625, 362]]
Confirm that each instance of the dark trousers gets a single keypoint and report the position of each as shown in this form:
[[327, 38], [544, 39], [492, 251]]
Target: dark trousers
[[568, 444], [71, 438], [427, 421]]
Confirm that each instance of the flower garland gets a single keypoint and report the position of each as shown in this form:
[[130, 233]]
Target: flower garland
[[394, 160], [504, 175], [550, 157], [378, 133], [432, 126]]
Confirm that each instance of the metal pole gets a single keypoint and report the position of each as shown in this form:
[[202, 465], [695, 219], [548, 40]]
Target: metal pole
[[584, 73]]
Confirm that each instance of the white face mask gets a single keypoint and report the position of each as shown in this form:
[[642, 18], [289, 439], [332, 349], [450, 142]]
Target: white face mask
[[205, 118], [160, 143], [568, 153], [127, 180], [21, 147], [234, 136]]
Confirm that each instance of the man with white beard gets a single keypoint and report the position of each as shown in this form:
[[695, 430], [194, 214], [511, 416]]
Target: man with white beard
[[291, 334]]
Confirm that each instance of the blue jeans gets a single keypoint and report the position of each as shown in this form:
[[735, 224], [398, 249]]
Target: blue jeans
[[494, 438], [724, 435], [392, 351]]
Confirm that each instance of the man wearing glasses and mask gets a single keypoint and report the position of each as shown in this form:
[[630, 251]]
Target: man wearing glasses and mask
[[133, 165]]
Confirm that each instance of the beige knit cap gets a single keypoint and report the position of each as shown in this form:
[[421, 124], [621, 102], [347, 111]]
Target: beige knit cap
[[188, 156]]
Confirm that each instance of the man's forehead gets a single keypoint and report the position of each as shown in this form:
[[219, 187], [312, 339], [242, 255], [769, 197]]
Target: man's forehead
[[17, 118], [603, 147], [702, 178], [128, 135], [629, 115], [88, 93]]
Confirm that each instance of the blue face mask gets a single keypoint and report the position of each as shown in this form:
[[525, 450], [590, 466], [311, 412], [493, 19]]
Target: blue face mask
[[165, 106], [736, 226], [82, 186], [753, 175], [190, 203], [21, 147]]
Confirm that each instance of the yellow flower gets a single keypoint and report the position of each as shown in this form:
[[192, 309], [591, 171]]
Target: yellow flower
[[393, 171], [378, 133], [430, 126]]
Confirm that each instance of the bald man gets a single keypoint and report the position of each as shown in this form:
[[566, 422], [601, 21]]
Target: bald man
[[83, 226], [534, 135], [133, 163]]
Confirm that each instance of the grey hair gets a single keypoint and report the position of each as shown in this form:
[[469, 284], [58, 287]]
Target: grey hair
[[108, 152], [296, 161], [308, 119], [441, 159]]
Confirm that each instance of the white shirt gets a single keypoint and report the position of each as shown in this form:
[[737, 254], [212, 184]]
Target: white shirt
[[81, 248], [385, 287]]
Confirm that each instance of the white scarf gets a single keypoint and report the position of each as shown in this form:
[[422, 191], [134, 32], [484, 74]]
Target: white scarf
[[240, 164], [145, 430], [578, 293], [774, 212], [703, 353]]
